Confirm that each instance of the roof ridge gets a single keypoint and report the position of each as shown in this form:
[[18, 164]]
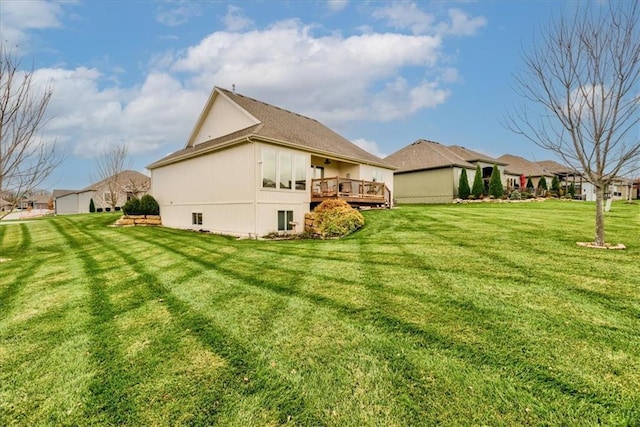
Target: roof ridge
[[266, 103]]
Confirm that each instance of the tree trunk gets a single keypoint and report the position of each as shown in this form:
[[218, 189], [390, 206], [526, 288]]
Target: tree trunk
[[599, 216]]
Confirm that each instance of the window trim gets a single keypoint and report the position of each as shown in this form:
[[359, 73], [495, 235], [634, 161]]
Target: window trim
[[196, 218], [288, 219], [299, 163]]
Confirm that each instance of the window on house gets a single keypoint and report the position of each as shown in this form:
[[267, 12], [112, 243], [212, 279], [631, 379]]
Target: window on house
[[106, 196], [196, 218], [301, 172], [377, 175], [285, 170], [284, 220], [268, 168]]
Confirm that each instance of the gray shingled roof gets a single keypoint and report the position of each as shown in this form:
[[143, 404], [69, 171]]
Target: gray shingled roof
[[473, 156], [517, 165], [61, 193], [125, 177], [424, 154], [281, 127], [552, 167]]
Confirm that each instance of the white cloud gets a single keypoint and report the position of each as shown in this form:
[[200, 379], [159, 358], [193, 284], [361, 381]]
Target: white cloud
[[235, 20], [370, 146], [409, 16], [18, 17], [463, 25], [337, 75], [89, 118], [178, 15], [337, 5], [406, 16]]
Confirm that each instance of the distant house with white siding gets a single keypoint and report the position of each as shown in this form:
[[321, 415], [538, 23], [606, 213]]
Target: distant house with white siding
[[128, 184]]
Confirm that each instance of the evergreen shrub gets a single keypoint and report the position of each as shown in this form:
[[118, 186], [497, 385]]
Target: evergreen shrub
[[495, 183], [146, 205], [149, 205], [463, 185], [132, 207], [478, 184]]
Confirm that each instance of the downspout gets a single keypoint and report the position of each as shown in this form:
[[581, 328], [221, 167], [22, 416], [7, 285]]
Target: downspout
[[256, 165]]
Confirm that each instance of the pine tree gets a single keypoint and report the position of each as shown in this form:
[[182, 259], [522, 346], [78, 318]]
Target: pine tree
[[555, 184], [495, 183], [92, 206], [542, 184], [530, 185], [463, 185], [572, 190], [478, 184]]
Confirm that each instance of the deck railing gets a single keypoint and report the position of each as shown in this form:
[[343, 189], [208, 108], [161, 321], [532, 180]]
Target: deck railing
[[353, 190]]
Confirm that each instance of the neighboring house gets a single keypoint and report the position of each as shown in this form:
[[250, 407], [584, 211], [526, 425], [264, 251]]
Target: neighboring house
[[40, 201], [250, 168], [126, 185], [619, 189], [517, 167], [65, 202], [5, 205], [429, 172]]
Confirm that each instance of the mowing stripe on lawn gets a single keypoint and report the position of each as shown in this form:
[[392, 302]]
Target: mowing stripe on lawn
[[242, 360], [109, 401], [519, 366], [25, 241], [8, 294]]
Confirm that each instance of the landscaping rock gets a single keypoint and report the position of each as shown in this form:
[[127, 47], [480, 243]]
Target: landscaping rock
[[139, 220], [606, 245]]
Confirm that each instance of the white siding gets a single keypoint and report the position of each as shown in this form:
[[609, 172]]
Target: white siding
[[67, 204], [84, 199], [223, 118], [221, 185]]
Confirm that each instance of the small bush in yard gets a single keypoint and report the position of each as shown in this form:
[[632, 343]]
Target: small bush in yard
[[146, 205], [515, 195], [149, 205], [132, 207], [336, 218]]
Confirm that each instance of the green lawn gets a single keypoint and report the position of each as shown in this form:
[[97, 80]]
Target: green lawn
[[483, 314]]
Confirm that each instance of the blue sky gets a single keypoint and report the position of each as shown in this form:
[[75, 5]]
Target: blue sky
[[382, 74]]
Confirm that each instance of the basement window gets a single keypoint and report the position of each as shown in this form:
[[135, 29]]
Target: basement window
[[196, 218], [285, 219]]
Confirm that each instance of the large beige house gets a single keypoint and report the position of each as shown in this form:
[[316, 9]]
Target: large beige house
[[250, 169], [429, 172]]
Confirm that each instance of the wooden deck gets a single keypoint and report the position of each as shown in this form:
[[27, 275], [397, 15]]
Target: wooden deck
[[356, 192]]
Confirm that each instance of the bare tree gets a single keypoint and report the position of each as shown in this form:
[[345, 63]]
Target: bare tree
[[26, 160], [109, 168], [581, 86]]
